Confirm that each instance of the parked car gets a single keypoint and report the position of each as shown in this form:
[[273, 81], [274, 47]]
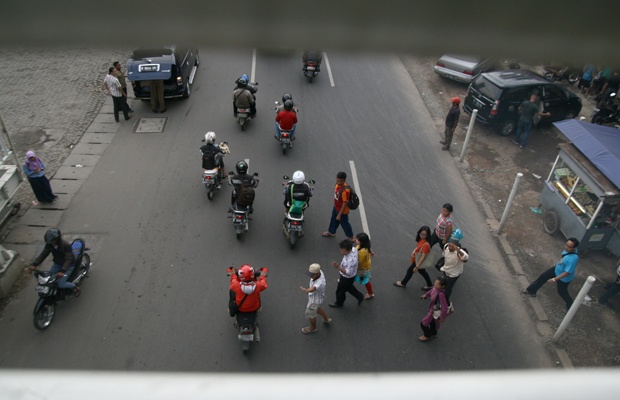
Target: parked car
[[463, 68], [497, 96], [175, 65]]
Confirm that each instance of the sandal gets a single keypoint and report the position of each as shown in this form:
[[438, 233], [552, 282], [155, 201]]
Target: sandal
[[399, 284], [308, 330], [327, 321], [427, 287], [327, 234]]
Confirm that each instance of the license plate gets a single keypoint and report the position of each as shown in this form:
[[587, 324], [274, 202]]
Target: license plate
[[310, 68], [247, 338], [294, 228], [43, 289], [149, 68]]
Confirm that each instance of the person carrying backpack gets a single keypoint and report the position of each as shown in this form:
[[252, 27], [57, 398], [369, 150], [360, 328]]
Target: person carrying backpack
[[343, 194], [297, 193], [244, 184], [212, 154]]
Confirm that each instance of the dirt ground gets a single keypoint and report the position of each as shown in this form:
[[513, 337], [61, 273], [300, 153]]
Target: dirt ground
[[494, 162]]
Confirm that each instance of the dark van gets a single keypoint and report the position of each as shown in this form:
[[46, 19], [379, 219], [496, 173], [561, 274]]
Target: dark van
[[497, 96], [175, 65]]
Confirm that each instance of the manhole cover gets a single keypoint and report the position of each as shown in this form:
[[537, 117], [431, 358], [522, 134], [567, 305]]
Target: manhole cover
[[151, 125]]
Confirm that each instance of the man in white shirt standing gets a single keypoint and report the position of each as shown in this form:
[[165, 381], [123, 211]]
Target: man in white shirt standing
[[316, 296], [348, 270], [119, 97]]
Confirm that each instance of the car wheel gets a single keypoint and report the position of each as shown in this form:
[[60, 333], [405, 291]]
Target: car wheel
[[570, 115], [187, 91], [507, 128]]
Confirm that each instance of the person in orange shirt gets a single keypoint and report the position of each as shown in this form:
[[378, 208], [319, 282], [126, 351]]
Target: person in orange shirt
[[340, 212], [246, 287]]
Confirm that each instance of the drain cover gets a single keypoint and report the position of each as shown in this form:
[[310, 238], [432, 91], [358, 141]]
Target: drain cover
[[151, 125]]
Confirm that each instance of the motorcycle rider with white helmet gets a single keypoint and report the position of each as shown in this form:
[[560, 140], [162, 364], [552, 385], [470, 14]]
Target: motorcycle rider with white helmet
[[213, 154], [297, 193]]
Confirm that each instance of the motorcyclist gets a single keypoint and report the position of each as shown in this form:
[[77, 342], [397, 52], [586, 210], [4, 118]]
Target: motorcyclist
[[243, 97], [245, 287], [286, 120], [240, 179], [213, 154], [315, 56], [63, 259], [280, 107], [297, 193]]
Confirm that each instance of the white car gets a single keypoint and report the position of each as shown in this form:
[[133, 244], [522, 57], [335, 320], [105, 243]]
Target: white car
[[462, 68]]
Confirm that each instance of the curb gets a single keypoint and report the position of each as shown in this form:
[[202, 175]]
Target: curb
[[513, 261]]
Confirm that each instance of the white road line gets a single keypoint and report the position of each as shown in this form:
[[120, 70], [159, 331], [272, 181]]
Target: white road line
[[329, 70], [358, 190], [253, 73]]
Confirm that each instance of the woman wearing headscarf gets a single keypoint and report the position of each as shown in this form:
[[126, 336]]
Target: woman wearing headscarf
[[34, 169]]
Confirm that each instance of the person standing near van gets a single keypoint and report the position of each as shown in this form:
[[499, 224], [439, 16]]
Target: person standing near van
[[157, 96], [452, 121], [529, 109], [118, 73], [119, 96]]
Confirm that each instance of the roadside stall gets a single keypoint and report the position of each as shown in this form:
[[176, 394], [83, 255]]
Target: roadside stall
[[581, 195]]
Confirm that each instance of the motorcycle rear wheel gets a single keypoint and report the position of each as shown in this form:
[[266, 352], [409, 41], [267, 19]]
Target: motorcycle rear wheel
[[245, 346], [598, 119], [292, 238], [284, 147], [211, 192], [44, 317]]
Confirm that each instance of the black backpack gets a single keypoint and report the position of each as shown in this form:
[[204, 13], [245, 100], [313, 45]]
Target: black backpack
[[245, 194], [354, 200], [208, 156]]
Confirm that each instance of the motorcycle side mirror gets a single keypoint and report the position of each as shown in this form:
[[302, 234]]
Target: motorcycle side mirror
[[612, 95], [255, 174], [277, 103], [285, 177], [312, 181], [231, 173]]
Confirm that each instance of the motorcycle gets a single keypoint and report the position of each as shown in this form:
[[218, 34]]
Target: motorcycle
[[608, 113], [243, 114], [212, 178], [311, 70], [571, 75], [285, 135], [50, 293], [241, 213], [247, 323], [293, 223]]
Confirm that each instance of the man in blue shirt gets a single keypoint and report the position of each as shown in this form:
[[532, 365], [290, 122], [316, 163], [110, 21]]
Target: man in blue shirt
[[562, 274]]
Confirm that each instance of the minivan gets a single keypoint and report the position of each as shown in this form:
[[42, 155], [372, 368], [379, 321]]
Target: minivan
[[175, 65], [497, 96]]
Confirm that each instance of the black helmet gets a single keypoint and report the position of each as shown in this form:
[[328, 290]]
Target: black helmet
[[288, 105], [242, 83], [241, 167], [51, 235], [286, 96]]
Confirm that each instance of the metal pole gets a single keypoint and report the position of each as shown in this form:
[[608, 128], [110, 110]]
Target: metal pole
[[513, 193], [469, 131], [573, 309]]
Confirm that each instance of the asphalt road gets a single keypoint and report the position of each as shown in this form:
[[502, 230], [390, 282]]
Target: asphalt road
[[156, 299]]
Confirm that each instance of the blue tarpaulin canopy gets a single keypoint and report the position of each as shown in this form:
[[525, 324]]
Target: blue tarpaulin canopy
[[600, 144]]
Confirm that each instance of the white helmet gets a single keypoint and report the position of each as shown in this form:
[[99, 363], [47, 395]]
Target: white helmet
[[299, 177], [210, 137]]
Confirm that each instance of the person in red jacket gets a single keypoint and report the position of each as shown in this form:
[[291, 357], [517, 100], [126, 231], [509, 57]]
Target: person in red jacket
[[246, 287], [286, 120]]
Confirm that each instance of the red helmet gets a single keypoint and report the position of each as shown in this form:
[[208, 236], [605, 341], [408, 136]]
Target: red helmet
[[455, 100], [246, 273]]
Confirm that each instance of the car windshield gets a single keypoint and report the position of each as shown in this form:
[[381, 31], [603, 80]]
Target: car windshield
[[487, 88]]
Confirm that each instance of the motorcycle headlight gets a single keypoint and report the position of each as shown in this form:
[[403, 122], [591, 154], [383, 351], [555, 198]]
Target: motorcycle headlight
[[43, 279]]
